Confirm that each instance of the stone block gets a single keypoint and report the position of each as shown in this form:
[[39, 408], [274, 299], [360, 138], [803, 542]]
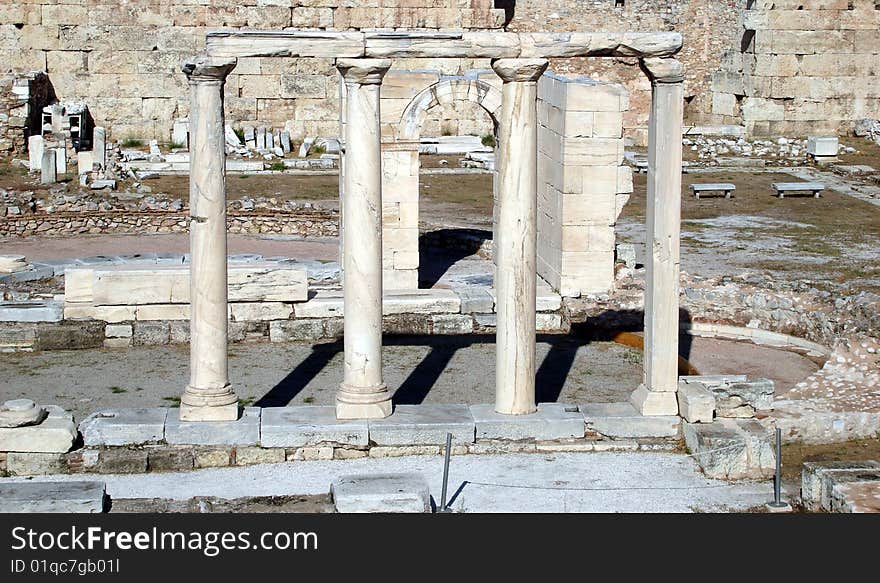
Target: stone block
[[260, 311], [696, 404], [124, 427], [45, 311], [308, 426], [35, 464], [248, 456], [170, 459], [118, 331], [654, 402], [52, 497], [452, 324], [476, 300], [622, 420], [731, 449], [550, 421], [243, 431], [117, 461], [381, 493], [296, 330], [742, 399], [817, 480], [212, 458], [822, 145], [861, 497], [425, 424], [55, 434]]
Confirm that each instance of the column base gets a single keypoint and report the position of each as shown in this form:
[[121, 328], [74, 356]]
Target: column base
[[214, 405], [363, 410], [363, 402], [654, 402]]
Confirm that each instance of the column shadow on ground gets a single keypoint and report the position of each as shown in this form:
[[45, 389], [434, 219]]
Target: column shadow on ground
[[550, 375]]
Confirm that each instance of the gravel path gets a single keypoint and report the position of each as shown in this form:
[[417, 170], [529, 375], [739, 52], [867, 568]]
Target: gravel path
[[589, 482]]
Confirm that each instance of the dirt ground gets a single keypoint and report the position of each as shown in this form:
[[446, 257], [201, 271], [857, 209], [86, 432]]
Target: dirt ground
[[832, 240], [795, 454]]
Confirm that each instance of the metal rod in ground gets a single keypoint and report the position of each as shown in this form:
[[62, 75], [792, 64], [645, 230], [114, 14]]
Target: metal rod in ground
[[777, 478], [446, 471], [777, 481]]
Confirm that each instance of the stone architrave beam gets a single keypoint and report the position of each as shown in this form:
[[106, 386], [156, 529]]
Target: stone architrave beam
[[299, 43]]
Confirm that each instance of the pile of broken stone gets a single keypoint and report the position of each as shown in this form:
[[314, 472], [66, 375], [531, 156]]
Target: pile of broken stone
[[781, 151], [27, 427]]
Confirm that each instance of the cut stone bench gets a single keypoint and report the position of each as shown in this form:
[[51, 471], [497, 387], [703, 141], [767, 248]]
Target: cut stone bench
[[783, 187], [724, 187]]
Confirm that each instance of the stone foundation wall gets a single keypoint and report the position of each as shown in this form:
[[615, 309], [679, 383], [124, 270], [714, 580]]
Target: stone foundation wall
[[312, 224], [801, 68], [22, 98], [123, 56]]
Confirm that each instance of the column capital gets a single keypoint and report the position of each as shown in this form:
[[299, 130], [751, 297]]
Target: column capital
[[661, 70], [521, 70], [363, 71], [204, 69]]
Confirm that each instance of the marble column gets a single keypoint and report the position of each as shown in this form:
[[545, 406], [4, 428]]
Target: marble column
[[363, 393], [515, 246], [657, 394], [208, 397]]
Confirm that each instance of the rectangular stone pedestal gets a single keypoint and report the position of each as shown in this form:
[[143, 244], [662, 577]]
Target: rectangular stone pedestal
[[124, 427]]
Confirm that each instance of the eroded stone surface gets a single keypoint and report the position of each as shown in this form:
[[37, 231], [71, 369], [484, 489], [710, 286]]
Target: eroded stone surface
[[124, 427], [425, 424], [381, 493], [550, 421], [243, 431], [310, 425], [54, 497]]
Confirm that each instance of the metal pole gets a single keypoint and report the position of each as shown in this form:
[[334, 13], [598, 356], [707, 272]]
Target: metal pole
[[777, 479], [446, 471]]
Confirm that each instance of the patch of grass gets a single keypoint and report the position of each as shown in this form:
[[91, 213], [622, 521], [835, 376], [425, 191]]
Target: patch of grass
[[243, 176], [118, 390], [633, 356], [173, 402], [488, 140], [277, 166], [132, 143], [176, 146], [309, 400], [317, 149], [239, 132], [446, 132], [246, 401]]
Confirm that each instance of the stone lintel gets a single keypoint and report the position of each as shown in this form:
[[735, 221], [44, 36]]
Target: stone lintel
[[435, 44]]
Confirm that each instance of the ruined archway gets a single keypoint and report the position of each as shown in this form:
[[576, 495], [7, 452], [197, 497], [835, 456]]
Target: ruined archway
[[400, 158]]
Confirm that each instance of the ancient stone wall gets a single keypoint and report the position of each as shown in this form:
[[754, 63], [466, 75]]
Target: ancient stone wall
[[123, 56], [801, 67], [708, 27]]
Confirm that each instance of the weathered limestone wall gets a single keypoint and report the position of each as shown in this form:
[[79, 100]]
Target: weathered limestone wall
[[582, 182], [801, 68], [709, 27], [123, 56]]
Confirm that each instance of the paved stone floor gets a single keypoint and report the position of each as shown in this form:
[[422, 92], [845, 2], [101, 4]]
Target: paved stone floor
[[593, 482]]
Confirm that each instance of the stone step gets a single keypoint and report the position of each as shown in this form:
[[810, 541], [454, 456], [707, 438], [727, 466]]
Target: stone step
[[623, 420]]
